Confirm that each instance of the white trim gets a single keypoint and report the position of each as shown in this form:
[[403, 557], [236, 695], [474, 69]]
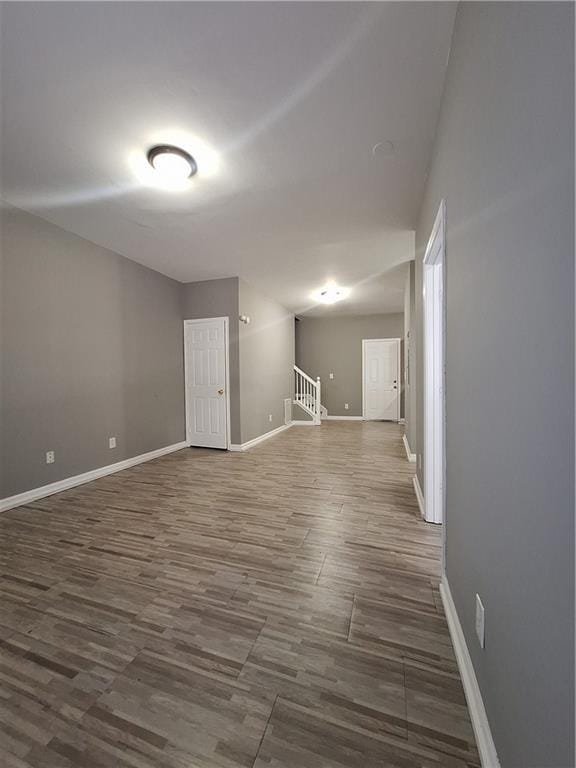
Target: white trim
[[345, 418], [402, 421], [399, 381], [411, 456], [484, 740], [303, 423], [419, 494], [260, 439], [434, 371], [227, 363], [86, 477]]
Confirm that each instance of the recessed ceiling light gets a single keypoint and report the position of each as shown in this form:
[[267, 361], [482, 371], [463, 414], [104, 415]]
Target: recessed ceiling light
[[331, 294], [172, 164]]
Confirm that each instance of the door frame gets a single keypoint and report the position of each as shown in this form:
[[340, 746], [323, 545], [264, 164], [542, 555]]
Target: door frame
[[188, 324], [364, 379], [433, 283]]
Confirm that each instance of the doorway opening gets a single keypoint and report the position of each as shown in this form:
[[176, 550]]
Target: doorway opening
[[434, 372]]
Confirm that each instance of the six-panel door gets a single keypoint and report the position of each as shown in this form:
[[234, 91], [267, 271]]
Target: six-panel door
[[205, 347], [381, 381]]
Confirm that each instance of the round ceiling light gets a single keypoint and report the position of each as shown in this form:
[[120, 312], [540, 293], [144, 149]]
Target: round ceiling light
[[172, 164], [331, 294]]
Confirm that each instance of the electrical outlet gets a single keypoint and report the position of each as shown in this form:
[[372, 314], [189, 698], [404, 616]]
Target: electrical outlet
[[269, 417], [50, 457], [346, 406], [112, 442], [480, 621], [331, 375]]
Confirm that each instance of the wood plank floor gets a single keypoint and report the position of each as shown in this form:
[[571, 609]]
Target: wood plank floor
[[277, 608]]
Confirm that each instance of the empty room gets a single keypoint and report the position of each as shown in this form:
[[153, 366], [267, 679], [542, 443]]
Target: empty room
[[287, 385]]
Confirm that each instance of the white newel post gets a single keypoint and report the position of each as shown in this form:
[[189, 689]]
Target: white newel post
[[318, 400]]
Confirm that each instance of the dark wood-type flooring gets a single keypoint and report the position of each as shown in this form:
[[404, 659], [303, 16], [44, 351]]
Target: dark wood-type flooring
[[273, 608]]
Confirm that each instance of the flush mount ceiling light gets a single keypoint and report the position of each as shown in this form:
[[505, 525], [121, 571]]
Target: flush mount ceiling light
[[172, 164], [331, 294], [174, 160]]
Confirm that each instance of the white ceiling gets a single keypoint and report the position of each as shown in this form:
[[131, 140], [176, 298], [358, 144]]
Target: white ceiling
[[291, 96]]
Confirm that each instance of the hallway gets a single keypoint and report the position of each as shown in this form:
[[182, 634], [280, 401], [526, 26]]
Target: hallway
[[278, 607]]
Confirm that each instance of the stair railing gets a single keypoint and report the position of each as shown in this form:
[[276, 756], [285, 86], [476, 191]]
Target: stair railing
[[307, 393]]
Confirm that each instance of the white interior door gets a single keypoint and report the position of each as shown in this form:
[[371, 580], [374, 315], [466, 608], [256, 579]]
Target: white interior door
[[381, 379], [206, 375]]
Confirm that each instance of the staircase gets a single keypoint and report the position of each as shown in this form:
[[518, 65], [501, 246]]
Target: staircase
[[307, 394]]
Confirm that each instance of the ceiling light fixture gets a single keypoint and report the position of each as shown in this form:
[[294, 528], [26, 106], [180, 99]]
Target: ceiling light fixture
[[175, 161], [331, 294], [172, 164]]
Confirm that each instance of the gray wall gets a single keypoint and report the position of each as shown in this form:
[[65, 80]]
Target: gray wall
[[91, 348], [410, 355], [327, 345], [504, 162], [219, 298], [266, 362], [261, 354]]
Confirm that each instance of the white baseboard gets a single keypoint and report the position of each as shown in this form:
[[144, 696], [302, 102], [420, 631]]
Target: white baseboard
[[85, 477], [419, 494], [260, 439], [402, 421], [302, 423], [411, 456], [484, 740], [345, 418]]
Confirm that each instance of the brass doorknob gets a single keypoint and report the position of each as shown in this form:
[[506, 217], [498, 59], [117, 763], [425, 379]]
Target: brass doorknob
[[220, 391]]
